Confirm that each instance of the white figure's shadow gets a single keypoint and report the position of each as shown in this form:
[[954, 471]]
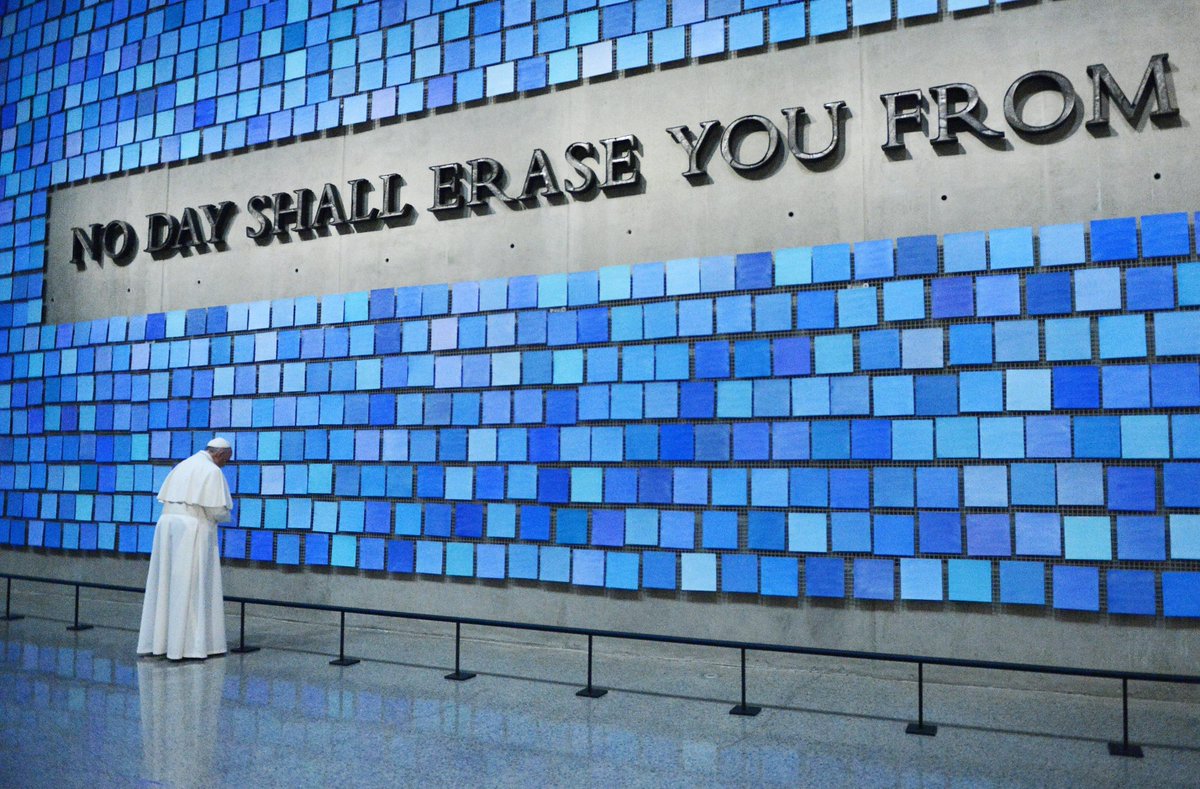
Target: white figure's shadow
[[180, 714]]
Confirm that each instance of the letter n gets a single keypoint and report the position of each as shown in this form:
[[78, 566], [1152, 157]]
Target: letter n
[[89, 243]]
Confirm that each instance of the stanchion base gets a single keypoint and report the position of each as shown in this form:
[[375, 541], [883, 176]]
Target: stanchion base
[[1121, 749], [460, 676], [244, 650], [745, 710], [11, 617], [77, 628], [591, 692], [342, 661], [924, 729]]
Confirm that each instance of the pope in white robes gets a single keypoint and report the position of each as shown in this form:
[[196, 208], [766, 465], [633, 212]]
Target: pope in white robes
[[183, 615]]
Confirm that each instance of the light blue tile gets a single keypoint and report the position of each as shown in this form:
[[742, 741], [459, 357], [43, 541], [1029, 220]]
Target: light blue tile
[[1087, 538]]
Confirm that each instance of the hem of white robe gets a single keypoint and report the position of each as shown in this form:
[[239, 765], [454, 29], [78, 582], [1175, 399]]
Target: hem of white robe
[[222, 653]]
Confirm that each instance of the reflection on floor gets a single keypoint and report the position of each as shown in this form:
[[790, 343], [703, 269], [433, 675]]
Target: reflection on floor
[[79, 709]]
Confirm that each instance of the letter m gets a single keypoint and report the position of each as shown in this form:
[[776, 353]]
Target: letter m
[[89, 242], [1156, 82]]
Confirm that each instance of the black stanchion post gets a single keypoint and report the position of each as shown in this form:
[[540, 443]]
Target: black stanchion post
[[921, 727], [9, 616], [744, 708], [458, 675], [591, 691], [241, 648], [1124, 747], [342, 660], [77, 626]]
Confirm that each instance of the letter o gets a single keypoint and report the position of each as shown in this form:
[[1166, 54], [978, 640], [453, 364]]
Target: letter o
[[120, 241], [743, 127], [1035, 80]]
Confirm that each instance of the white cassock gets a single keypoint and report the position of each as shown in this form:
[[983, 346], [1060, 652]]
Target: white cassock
[[183, 615]]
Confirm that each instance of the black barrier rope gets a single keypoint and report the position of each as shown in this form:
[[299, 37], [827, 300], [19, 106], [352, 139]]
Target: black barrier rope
[[9, 616], [241, 648], [342, 660], [458, 675], [77, 626], [744, 709], [921, 727], [1122, 748], [591, 691]]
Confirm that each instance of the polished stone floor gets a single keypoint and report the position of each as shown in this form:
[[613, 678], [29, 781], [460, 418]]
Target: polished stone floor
[[79, 709]]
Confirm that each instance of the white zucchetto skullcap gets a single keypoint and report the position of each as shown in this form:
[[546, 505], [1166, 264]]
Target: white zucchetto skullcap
[[219, 443]]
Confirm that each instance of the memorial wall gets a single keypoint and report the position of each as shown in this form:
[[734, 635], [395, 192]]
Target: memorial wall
[[866, 324]]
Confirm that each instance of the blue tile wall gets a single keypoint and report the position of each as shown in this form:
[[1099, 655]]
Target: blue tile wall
[[934, 432], [1008, 417]]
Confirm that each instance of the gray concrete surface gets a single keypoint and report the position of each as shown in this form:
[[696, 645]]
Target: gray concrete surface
[[81, 710], [867, 195], [980, 632]]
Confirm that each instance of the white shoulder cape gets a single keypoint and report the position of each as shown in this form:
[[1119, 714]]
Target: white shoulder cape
[[196, 480]]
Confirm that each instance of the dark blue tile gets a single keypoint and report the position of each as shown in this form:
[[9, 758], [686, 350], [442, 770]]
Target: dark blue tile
[[608, 527], [554, 485], [751, 358], [654, 485], [620, 485], [1175, 385], [871, 439], [766, 530], [879, 350], [1131, 592], [753, 271], [711, 442], [570, 527], [940, 532], [849, 489], [468, 520], [676, 442], [1097, 437], [399, 556], [739, 573], [1150, 288], [1114, 239], [1076, 387], [815, 309], [1076, 588], [543, 444], [593, 325], [1141, 538], [824, 577], [430, 481], [916, 255], [1165, 235], [535, 523], [560, 407], [387, 338], [712, 359], [751, 441], [953, 297], [792, 356], [696, 400], [437, 520], [382, 304], [989, 535], [1132, 489], [489, 482], [937, 395], [895, 535], [831, 440]]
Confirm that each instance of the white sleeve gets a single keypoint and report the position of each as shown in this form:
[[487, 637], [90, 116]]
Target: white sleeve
[[217, 514]]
